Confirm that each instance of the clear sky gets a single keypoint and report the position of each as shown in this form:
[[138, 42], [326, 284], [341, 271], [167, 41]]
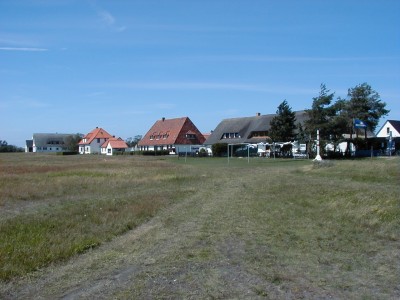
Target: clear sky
[[68, 66]]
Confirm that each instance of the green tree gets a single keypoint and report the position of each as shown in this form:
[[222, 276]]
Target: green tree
[[72, 142], [302, 135], [321, 113], [283, 124], [339, 123], [219, 149], [132, 142], [5, 147], [365, 104]]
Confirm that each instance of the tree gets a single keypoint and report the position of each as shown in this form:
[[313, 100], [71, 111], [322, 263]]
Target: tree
[[283, 124], [364, 104], [339, 123], [132, 142], [335, 120], [72, 142], [5, 147], [321, 113], [219, 149], [302, 135]]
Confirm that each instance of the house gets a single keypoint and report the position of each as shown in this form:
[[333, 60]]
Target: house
[[113, 145], [390, 127], [175, 135], [48, 142], [92, 142], [251, 130]]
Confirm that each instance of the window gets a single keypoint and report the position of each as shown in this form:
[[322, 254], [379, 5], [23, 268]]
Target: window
[[388, 130], [109, 151], [153, 136], [190, 136], [98, 141], [231, 135]]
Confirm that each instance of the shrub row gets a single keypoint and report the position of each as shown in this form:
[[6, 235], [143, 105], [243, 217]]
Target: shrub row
[[67, 153], [155, 153]]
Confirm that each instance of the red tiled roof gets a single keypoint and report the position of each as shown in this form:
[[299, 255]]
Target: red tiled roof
[[172, 132], [116, 143], [97, 133]]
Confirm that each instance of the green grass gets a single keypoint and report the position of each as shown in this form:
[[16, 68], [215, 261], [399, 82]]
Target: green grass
[[62, 208], [279, 228], [302, 227]]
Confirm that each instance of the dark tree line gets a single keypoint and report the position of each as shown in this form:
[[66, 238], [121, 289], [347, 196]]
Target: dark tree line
[[334, 119], [5, 147], [331, 118]]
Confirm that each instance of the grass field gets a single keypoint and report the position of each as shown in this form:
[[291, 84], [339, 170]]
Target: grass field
[[198, 228]]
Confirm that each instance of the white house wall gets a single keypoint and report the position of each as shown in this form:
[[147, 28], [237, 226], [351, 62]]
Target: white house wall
[[108, 150], [47, 149], [85, 149], [384, 131], [93, 147]]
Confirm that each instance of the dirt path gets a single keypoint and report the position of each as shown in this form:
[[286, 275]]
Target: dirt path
[[186, 251], [218, 243]]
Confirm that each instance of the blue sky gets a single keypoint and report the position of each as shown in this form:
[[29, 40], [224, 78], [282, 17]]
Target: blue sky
[[68, 66]]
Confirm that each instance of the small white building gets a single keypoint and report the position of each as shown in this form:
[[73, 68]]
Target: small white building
[[113, 145], [390, 126]]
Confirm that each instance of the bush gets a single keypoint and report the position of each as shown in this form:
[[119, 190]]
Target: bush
[[155, 153], [335, 155], [67, 153], [220, 149], [203, 153]]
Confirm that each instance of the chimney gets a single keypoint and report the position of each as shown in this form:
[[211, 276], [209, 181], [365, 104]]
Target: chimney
[[163, 119], [258, 114]]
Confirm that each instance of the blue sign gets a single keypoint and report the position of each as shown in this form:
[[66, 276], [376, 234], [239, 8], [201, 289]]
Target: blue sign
[[359, 124]]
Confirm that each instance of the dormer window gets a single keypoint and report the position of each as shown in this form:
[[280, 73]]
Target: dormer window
[[231, 135]]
